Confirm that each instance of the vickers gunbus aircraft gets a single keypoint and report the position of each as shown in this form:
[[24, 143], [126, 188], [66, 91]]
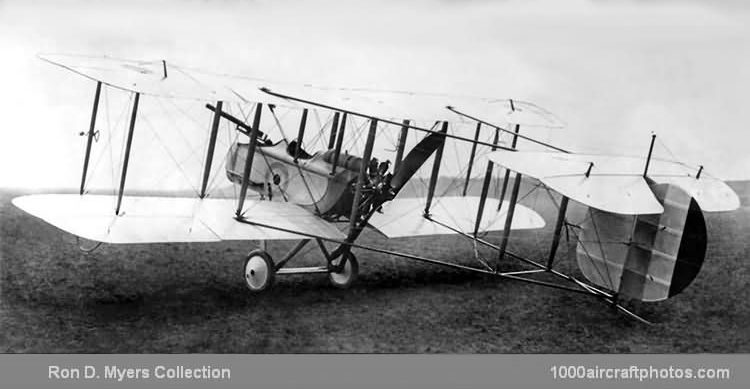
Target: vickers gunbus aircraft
[[643, 237]]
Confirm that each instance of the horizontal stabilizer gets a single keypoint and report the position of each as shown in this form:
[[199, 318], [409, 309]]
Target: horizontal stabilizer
[[711, 194], [623, 194], [616, 183], [172, 219], [403, 217]]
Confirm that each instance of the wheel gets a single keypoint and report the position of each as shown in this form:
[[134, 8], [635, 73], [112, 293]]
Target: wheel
[[259, 270], [348, 274]]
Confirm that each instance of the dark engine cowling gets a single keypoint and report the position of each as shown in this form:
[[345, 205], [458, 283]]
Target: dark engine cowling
[[349, 162]]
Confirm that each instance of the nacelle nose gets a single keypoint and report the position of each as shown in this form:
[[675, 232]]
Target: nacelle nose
[[236, 164]]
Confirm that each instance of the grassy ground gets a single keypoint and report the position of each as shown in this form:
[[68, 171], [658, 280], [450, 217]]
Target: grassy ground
[[191, 298]]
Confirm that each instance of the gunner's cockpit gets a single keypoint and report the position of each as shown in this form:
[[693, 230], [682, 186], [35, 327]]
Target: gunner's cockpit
[[292, 147]]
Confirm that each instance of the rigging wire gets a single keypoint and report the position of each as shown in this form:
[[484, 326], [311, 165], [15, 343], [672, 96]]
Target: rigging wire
[[601, 248], [321, 126], [537, 241], [358, 131], [232, 141], [178, 164], [108, 144], [590, 257], [265, 157], [664, 146], [192, 150], [131, 101], [179, 130], [110, 137], [299, 169], [212, 184]]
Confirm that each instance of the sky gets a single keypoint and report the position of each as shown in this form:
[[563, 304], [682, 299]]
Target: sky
[[614, 71]]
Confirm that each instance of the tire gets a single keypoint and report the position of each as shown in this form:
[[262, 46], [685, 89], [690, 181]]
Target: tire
[[259, 271], [348, 274]]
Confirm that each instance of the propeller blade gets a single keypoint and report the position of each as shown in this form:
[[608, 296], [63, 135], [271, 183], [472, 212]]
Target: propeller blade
[[416, 158]]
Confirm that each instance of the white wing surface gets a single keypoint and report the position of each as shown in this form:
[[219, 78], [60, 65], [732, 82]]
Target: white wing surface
[[403, 217], [162, 78], [172, 219]]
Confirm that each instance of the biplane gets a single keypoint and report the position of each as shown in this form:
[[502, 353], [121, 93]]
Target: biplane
[[643, 236]]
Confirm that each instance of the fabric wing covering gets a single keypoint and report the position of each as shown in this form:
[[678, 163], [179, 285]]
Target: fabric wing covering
[[403, 217], [162, 78], [168, 79], [172, 219], [616, 183]]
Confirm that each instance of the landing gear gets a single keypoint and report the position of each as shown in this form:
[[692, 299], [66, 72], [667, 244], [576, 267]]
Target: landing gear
[[347, 274], [259, 270]]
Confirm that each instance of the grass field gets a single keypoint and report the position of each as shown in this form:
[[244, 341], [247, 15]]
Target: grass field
[[177, 298]]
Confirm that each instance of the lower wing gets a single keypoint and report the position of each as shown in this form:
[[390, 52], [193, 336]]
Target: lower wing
[[404, 217], [173, 219]]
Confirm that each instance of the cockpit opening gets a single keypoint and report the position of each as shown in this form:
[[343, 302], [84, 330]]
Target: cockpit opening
[[291, 149]]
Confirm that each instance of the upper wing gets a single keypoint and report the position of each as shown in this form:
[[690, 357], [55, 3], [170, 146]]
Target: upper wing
[[616, 183], [511, 111], [403, 217], [162, 78], [172, 219], [167, 79]]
